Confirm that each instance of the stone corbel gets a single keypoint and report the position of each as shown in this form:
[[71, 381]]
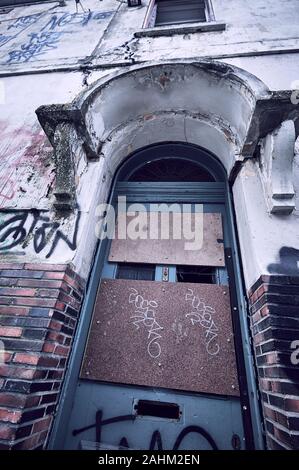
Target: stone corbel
[[63, 124], [65, 186], [277, 155]]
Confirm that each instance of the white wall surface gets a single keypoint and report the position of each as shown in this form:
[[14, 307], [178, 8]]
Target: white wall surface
[[49, 54]]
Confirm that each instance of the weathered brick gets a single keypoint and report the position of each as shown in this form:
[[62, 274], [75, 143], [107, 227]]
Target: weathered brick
[[53, 275], [50, 293], [47, 361], [21, 273], [45, 267], [23, 431], [39, 283], [16, 372], [292, 404], [40, 312], [8, 282], [12, 416], [18, 386], [35, 339], [29, 442], [55, 325], [49, 398], [61, 350], [68, 300], [19, 292], [13, 310], [50, 409], [42, 424], [32, 401], [41, 386], [10, 331], [26, 358], [35, 333], [22, 344], [11, 266], [7, 432], [25, 321], [275, 324], [72, 312], [12, 399], [60, 306], [31, 415], [48, 347], [55, 374], [30, 301]]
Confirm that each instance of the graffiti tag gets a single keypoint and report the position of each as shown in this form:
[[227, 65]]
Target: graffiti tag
[[156, 438], [202, 314], [21, 228], [145, 314], [48, 36]]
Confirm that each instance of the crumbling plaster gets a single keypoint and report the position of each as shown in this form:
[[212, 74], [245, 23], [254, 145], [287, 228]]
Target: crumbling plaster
[[269, 242], [260, 38]]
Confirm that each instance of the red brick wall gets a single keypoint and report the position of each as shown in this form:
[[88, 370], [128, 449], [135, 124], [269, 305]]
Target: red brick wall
[[39, 307], [275, 324]]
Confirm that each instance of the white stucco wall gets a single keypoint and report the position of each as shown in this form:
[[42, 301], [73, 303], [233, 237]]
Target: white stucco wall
[[49, 54]]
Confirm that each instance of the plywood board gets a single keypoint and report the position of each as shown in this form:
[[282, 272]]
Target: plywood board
[[173, 335], [159, 245]]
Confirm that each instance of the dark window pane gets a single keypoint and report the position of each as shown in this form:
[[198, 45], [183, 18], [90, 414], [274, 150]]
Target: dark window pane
[[179, 11], [138, 272], [171, 170], [199, 274]]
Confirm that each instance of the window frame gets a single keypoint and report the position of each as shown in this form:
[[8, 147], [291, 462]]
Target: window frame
[[150, 23]]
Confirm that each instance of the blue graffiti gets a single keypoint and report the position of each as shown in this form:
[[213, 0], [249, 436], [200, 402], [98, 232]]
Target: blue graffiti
[[18, 25], [4, 39], [24, 21], [48, 38], [38, 44], [75, 18]]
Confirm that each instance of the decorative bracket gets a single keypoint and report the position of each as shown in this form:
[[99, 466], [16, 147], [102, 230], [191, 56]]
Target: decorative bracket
[[277, 155], [65, 189], [63, 124]]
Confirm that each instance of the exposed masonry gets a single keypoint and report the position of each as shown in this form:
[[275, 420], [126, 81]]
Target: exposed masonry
[[39, 309], [275, 324], [40, 303]]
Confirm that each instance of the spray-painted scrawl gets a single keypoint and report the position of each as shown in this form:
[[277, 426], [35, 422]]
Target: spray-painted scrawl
[[37, 34], [34, 229]]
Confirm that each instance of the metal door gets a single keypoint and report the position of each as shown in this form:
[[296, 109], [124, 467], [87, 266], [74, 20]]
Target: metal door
[[150, 382]]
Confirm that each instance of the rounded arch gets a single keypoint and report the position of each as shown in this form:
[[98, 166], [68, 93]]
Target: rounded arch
[[184, 162], [207, 103]]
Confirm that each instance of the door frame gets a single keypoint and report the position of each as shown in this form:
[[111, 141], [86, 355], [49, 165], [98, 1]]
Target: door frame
[[249, 397]]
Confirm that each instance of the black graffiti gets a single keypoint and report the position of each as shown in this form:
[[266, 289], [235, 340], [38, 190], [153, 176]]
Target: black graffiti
[[288, 262], [17, 230], [156, 442]]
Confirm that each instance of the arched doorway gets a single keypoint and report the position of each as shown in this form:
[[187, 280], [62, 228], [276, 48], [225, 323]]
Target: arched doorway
[[163, 364]]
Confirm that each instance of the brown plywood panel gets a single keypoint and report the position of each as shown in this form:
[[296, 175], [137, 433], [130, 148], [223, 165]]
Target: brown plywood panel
[[155, 249], [173, 335]]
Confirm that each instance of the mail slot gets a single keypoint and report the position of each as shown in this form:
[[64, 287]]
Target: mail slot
[[157, 409]]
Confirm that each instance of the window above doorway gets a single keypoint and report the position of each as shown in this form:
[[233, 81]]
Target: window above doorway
[[167, 17], [179, 11]]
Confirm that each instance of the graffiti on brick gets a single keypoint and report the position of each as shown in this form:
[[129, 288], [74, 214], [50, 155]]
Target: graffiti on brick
[[24, 228], [47, 35]]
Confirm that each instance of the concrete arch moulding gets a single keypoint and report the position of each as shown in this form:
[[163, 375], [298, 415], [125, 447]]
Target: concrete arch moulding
[[207, 103]]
